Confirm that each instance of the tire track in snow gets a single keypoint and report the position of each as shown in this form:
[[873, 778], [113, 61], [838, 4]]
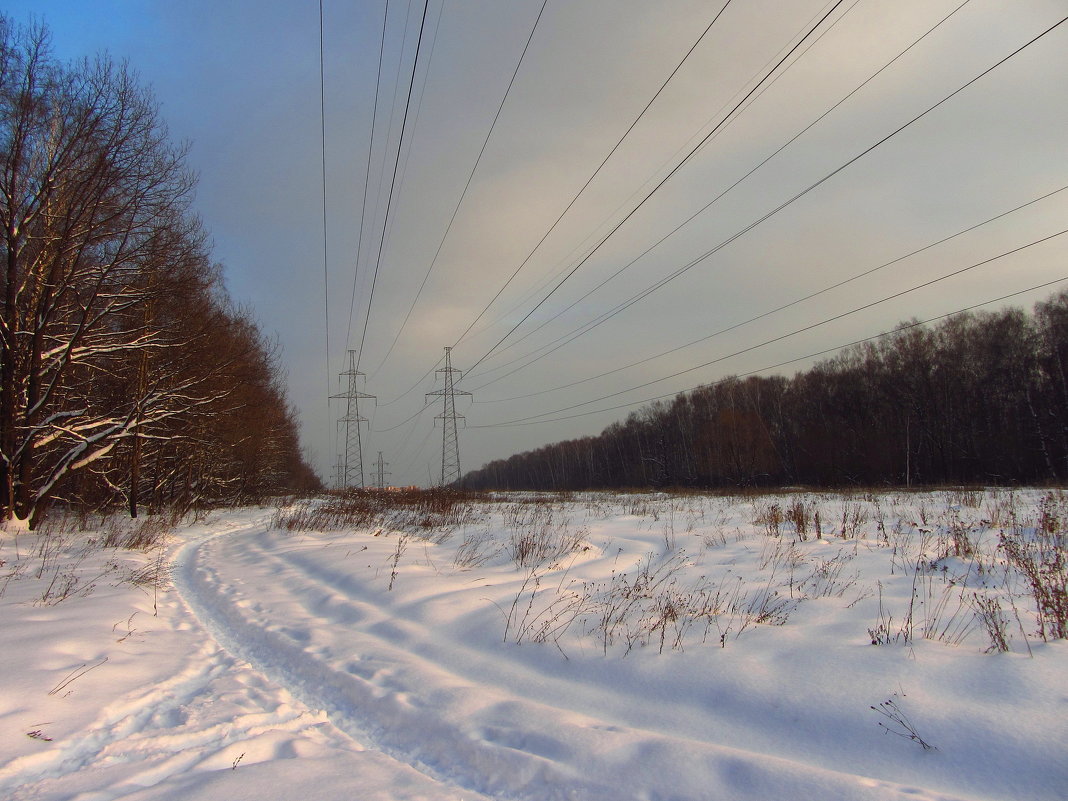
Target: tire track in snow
[[119, 721], [529, 755], [148, 726], [499, 760], [344, 697]]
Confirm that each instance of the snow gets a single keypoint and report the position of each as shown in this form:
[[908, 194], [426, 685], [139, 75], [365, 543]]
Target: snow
[[665, 647]]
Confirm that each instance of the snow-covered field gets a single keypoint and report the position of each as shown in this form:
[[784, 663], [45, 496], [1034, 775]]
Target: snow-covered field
[[611, 647]]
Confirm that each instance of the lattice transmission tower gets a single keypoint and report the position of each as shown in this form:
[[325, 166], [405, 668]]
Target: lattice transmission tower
[[352, 466], [381, 473], [339, 473], [450, 446]]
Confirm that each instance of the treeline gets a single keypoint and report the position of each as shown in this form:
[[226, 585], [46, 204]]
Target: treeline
[[980, 398], [126, 374]]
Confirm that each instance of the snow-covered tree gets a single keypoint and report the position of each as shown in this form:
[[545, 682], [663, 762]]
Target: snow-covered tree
[[114, 333]]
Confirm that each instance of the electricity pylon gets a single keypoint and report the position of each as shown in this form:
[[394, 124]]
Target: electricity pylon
[[381, 472], [450, 446], [353, 464], [339, 473]]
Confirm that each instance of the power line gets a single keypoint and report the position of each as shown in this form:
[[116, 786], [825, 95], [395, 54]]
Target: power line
[[467, 185], [762, 315], [548, 282], [400, 451], [393, 181], [367, 173], [402, 422], [397, 83], [657, 285], [419, 381], [407, 155], [804, 329], [326, 269], [718, 197], [566, 209], [596, 172], [339, 474], [409, 462], [655, 189], [381, 472], [728, 119], [421, 96], [835, 349]]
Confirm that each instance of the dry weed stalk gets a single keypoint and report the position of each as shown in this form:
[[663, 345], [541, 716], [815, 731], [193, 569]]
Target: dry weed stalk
[[900, 724], [1041, 556]]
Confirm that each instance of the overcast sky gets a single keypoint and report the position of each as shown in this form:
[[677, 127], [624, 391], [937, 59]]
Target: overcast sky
[[239, 79]]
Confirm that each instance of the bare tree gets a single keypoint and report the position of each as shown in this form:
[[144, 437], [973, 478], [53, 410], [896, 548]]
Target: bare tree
[[114, 336]]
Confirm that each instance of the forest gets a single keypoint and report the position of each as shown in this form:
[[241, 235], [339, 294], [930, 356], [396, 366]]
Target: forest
[[979, 398], [127, 375]]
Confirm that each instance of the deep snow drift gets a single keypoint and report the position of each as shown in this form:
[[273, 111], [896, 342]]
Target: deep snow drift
[[799, 646]]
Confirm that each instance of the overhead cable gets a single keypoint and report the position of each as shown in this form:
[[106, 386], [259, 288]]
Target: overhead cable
[[672, 276], [530, 293], [763, 315], [666, 178], [595, 173], [806, 357], [806, 328], [393, 181], [593, 324], [367, 175], [326, 268], [463, 194]]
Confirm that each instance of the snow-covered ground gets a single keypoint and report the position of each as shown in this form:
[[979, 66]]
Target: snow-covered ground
[[597, 647]]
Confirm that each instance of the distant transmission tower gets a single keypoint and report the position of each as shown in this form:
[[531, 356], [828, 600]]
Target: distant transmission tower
[[450, 447], [352, 471], [339, 473], [381, 472]]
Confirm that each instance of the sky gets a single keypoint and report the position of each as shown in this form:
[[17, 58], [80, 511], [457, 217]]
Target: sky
[[476, 189]]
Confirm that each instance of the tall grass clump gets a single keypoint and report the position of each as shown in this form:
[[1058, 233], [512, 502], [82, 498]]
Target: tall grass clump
[[412, 511], [538, 535], [65, 555], [1038, 553]]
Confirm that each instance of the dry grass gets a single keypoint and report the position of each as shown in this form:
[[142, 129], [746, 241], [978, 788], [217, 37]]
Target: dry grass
[[1038, 551], [963, 563], [413, 511], [539, 534], [59, 555]]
